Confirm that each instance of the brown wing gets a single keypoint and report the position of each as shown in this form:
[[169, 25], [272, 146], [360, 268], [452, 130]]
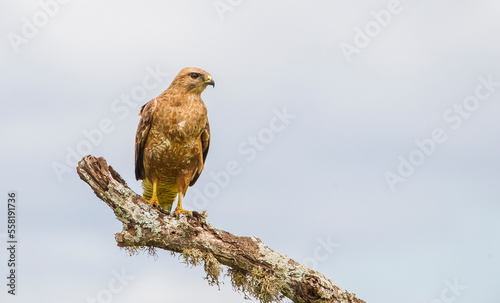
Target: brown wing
[[146, 113], [205, 144]]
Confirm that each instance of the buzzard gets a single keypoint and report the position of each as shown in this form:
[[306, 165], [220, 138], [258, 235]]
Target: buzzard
[[172, 140]]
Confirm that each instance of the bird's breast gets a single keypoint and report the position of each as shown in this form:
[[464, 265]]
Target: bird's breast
[[179, 127], [187, 119]]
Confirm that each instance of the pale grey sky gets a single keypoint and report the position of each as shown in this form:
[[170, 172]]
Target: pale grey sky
[[364, 136]]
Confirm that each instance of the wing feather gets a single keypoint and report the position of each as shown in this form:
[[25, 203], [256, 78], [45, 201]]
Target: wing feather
[[146, 113], [205, 144]]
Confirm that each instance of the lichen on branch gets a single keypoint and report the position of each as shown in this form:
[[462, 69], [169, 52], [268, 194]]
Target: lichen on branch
[[254, 269]]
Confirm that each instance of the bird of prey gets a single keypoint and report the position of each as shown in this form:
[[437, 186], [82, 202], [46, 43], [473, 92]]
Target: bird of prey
[[172, 140]]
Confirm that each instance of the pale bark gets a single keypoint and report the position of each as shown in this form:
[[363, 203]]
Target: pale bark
[[254, 269]]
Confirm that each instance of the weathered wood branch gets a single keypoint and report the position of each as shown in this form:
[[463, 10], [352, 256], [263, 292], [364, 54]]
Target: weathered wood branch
[[254, 269]]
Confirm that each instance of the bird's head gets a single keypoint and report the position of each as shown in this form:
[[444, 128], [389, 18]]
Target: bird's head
[[192, 80]]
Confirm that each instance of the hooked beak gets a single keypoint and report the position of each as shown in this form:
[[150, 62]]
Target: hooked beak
[[210, 81]]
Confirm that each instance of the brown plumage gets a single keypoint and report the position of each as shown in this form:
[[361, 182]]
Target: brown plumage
[[172, 139]]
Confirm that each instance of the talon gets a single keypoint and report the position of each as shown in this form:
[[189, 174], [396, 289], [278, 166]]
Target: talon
[[179, 211], [154, 199], [153, 202]]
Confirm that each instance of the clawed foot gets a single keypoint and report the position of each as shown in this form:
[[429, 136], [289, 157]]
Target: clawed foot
[[153, 202], [179, 211]]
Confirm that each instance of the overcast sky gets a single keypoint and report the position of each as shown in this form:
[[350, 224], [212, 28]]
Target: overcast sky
[[365, 138]]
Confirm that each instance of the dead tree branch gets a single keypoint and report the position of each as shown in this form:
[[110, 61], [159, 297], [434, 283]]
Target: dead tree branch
[[254, 269]]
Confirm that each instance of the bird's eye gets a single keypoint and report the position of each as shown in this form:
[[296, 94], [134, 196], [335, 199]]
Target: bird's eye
[[194, 75]]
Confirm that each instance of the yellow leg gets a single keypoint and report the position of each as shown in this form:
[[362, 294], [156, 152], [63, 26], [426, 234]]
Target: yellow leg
[[179, 210], [154, 199]]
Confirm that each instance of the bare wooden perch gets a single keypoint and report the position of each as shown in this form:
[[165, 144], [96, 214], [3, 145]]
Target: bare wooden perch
[[254, 269]]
